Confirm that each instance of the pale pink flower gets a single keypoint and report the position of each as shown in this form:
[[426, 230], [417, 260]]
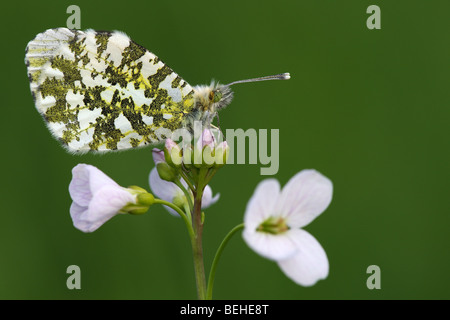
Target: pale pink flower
[[96, 198]]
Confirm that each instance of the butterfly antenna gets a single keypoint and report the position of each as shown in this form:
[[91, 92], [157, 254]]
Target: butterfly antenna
[[218, 121], [281, 76]]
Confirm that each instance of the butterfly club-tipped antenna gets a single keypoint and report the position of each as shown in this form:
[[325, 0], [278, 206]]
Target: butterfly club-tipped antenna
[[215, 97], [223, 94], [281, 76]]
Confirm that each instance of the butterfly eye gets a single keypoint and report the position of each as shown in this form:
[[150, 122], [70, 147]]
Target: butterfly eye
[[215, 96]]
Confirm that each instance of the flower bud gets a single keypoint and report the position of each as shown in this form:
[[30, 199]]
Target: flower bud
[[146, 199], [205, 151], [170, 144], [197, 157], [172, 153], [180, 201], [143, 201], [206, 139], [137, 189], [188, 158], [222, 152], [166, 172], [208, 158], [138, 211]]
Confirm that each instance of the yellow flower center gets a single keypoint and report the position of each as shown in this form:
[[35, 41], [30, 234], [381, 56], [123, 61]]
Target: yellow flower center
[[273, 225]]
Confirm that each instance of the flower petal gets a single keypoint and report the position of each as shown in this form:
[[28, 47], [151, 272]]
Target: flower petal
[[261, 204], [206, 139], [304, 197], [110, 200], [105, 204], [309, 264], [86, 180], [207, 199], [270, 246], [158, 156], [98, 179], [163, 189], [79, 188], [76, 213]]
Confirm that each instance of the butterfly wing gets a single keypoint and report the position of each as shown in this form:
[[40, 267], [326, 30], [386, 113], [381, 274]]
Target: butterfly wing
[[101, 91]]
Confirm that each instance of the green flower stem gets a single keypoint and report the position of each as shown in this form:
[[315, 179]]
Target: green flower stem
[[210, 174], [193, 173], [186, 194], [182, 215], [187, 209], [212, 272], [188, 180], [197, 248], [196, 243]]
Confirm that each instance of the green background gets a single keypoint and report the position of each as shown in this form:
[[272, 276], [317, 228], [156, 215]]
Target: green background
[[369, 109]]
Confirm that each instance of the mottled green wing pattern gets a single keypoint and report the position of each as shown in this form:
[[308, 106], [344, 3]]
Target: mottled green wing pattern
[[101, 91]]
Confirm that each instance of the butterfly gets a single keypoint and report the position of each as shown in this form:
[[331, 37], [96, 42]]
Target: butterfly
[[101, 91]]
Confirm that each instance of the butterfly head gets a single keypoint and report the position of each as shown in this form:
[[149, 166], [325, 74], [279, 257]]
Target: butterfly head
[[213, 97], [220, 96]]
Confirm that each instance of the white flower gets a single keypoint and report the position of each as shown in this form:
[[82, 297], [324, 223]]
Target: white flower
[[168, 191], [96, 198], [273, 219]]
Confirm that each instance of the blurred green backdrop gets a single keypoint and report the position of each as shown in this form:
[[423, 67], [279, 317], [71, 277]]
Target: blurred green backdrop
[[370, 109]]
